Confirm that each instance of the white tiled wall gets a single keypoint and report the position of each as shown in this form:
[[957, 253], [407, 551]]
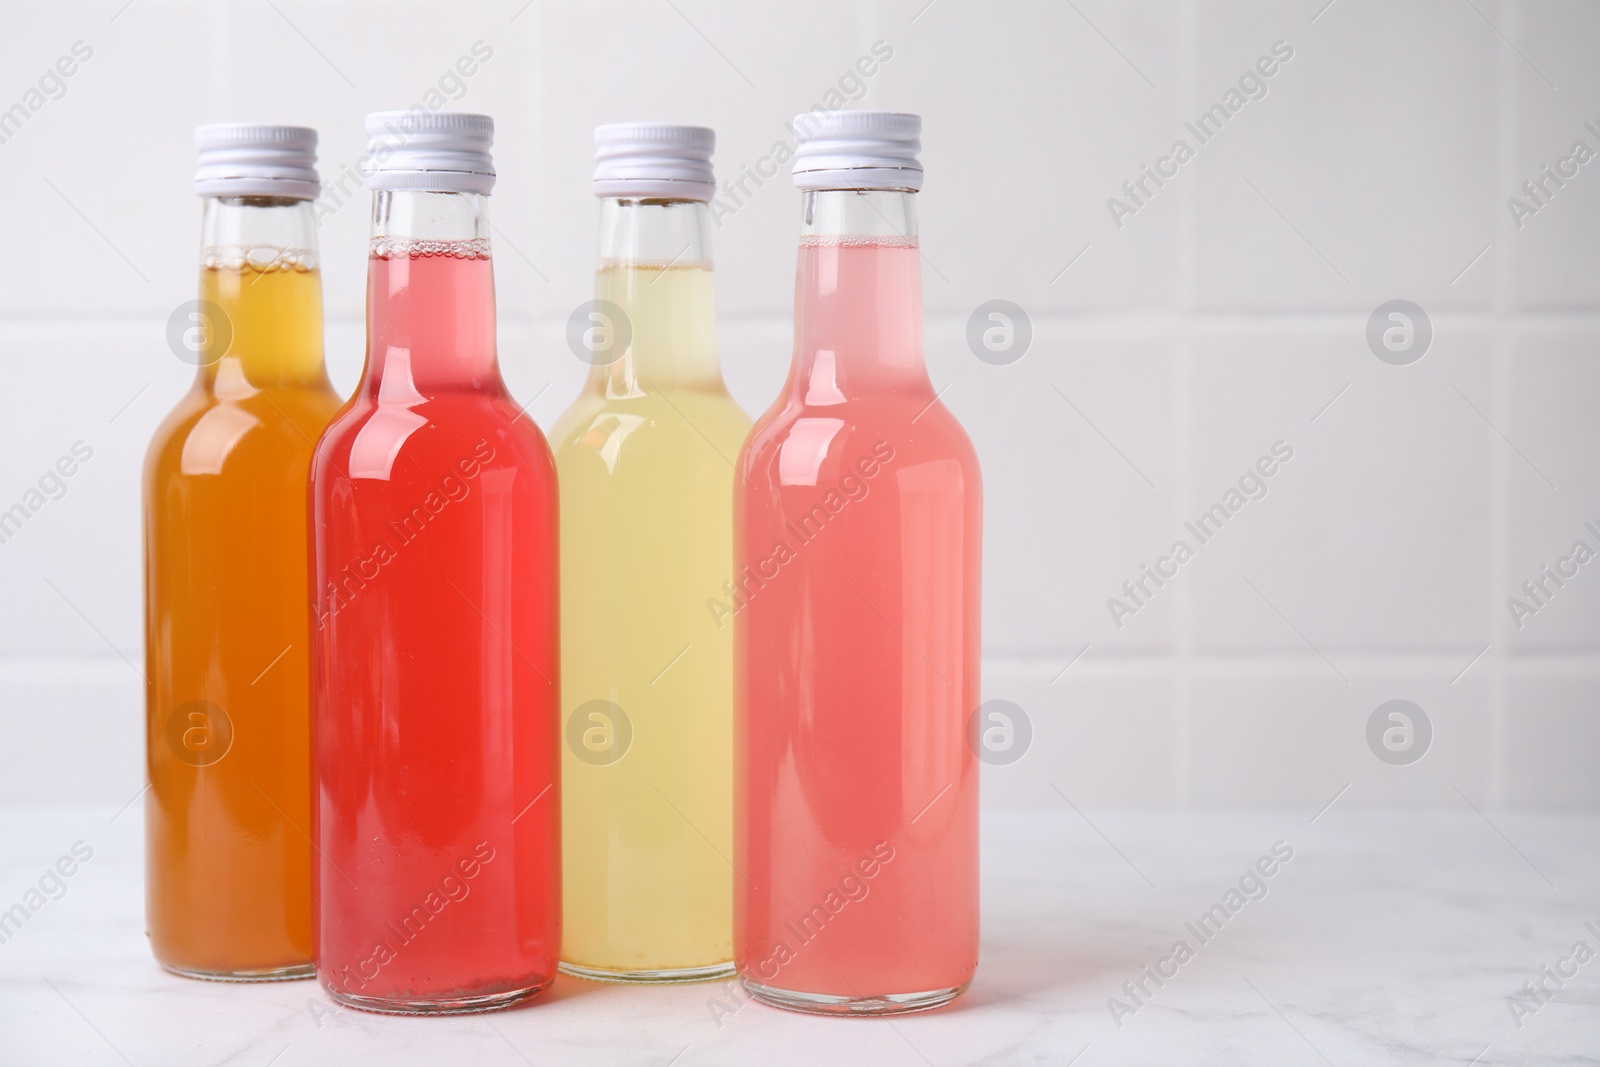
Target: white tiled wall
[[1224, 315]]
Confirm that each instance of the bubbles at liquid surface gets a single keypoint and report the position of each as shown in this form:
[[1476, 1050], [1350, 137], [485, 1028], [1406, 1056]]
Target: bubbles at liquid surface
[[259, 259], [419, 247], [654, 266], [857, 240]]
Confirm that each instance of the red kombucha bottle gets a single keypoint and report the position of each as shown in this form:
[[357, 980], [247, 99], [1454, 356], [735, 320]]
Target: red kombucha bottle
[[435, 699], [857, 521]]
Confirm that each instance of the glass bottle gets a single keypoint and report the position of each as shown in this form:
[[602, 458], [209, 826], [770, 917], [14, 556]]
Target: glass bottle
[[227, 638], [856, 610], [646, 457], [434, 529]]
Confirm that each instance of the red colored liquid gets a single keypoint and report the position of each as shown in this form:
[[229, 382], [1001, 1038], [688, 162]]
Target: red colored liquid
[[435, 720], [858, 519]]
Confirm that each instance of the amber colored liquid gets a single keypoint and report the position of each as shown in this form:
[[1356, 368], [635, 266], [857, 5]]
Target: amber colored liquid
[[228, 868]]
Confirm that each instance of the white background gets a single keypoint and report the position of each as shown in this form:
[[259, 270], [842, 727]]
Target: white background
[[1168, 354]]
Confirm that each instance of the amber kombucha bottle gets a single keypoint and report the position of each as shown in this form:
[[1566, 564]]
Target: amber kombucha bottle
[[227, 623]]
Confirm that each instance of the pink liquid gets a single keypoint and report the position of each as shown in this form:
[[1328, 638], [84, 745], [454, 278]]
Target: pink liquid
[[435, 714], [857, 527]]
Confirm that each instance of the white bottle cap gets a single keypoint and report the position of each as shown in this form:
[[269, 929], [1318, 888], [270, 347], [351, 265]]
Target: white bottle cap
[[654, 160], [857, 150], [251, 159], [429, 151]]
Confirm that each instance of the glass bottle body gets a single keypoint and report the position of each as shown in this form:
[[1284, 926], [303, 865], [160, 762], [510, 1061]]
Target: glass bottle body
[[227, 868], [434, 525], [646, 461], [857, 542]]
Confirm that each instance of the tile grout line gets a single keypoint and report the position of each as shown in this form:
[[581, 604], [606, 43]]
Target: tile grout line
[[1047, 664], [1165, 321], [1183, 400], [1506, 129]]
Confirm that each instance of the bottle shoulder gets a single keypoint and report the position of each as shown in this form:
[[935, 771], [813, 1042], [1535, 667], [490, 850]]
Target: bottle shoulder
[[390, 442], [204, 434], [595, 424], [793, 440]]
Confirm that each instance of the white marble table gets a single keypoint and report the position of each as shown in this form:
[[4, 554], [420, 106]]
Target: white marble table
[[1389, 937]]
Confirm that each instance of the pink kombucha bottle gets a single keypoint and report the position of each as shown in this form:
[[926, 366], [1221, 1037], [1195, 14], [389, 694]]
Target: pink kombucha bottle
[[857, 523]]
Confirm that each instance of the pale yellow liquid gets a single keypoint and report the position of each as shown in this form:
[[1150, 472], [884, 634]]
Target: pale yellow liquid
[[645, 457]]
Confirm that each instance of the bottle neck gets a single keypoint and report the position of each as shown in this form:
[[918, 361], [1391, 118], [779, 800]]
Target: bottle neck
[[430, 298], [858, 297], [258, 266], [655, 264]]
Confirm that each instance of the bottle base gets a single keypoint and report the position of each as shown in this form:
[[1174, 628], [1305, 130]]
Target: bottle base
[[464, 1005], [829, 1004], [709, 973], [270, 974]]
